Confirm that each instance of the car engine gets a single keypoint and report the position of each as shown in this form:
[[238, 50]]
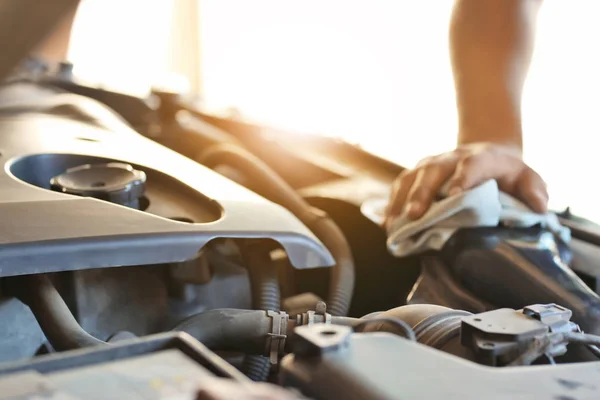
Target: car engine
[[149, 250]]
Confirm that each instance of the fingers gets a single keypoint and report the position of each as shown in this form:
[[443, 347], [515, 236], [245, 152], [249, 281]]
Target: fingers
[[414, 191], [471, 170], [427, 185], [400, 191], [513, 175], [465, 168], [531, 189], [475, 168]]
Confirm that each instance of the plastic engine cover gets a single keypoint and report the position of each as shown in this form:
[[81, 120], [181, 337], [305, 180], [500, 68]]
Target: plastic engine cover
[[185, 205]]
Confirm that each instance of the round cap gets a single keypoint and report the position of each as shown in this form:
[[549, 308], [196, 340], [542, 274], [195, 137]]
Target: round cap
[[114, 182]]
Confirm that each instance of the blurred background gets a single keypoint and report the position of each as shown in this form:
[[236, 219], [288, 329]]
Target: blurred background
[[375, 73]]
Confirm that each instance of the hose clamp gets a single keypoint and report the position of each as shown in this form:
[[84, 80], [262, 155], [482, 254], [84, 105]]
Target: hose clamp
[[321, 309], [277, 336], [318, 316]]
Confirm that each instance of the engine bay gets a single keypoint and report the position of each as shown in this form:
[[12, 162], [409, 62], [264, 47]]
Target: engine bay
[[151, 250]]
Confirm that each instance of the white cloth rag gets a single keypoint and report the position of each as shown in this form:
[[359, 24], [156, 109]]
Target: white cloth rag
[[482, 206]]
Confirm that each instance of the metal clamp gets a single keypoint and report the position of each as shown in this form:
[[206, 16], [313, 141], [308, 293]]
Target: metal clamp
[[321, 309], [277, 336], [319, 316]]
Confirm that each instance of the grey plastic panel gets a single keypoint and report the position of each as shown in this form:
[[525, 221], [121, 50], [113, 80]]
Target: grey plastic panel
[[160, 366], [45, 231], [382, 366], [154, 376]]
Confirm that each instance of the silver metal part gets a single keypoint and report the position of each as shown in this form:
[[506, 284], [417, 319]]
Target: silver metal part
[[278, 335], [318, 316]]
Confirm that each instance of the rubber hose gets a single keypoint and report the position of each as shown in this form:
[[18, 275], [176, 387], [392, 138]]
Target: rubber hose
[[256, 367], [243, 331], [270, 185], [263, 276], [266, 296], [54, 317], [434, 326]]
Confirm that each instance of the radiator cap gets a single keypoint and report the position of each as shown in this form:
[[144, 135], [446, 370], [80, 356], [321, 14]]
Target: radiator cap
[[117, 183]]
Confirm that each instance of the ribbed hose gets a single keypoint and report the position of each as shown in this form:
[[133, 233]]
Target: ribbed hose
[[270, 185], [256, 367], [341, 286], [263, 276], [434, 326], [56, 320], [265, 296], [244, 331]]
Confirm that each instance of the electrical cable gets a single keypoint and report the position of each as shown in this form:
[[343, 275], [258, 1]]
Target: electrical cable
[[594, 349], [583, 338]]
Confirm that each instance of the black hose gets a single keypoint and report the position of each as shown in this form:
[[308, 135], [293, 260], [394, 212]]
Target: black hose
[[265, 296], [256, 367], [56, 320], [263, 276], [234, 325], [270, 185], [593, 349], [243, 331], [583, 338]]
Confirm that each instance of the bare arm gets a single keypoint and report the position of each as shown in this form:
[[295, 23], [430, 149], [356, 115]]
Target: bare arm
[[491, 44], [55, 47]]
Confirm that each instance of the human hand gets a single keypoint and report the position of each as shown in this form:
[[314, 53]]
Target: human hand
[[464, 168]]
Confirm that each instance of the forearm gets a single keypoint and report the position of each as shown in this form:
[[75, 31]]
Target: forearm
[[55, 47], [491, 44]]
